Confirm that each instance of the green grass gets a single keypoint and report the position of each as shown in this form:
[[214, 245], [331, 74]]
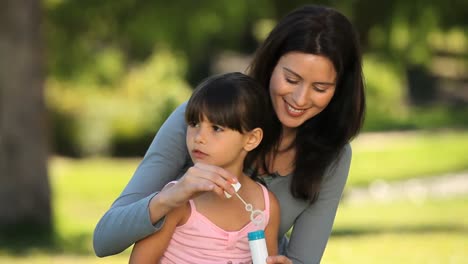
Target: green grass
[[393, 248], [430, 231], [84, 190], [407, 155]]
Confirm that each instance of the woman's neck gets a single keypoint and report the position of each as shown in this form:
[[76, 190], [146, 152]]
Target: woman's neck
[[288, 136], [282, 162]]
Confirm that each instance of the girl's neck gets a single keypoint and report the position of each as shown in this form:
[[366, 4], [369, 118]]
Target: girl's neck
[[238, 172]]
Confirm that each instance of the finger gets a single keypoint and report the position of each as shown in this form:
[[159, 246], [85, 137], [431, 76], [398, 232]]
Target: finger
[[219, 192], [218, 170], [206, 186], [197, 180], [216, 175]]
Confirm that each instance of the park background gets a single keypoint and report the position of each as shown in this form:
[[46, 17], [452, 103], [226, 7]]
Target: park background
[[85, 85]]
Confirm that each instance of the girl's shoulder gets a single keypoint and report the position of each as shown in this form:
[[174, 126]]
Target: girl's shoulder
[[180, 215]]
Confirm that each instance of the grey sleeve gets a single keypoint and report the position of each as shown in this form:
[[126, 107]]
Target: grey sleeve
[[313, 227], [128, 221]]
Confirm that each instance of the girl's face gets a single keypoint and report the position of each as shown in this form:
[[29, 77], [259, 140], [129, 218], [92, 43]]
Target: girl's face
[[301, 86], [216, 145]]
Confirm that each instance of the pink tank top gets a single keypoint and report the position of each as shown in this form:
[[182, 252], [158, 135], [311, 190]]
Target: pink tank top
[[201, 241]]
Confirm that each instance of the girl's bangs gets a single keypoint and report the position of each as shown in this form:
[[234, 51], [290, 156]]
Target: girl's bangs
[[219, 108]]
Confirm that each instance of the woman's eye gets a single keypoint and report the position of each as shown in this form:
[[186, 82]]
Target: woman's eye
[[291, 81], [319, 89]]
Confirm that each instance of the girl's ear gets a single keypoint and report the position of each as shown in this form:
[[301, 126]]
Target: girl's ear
[[253, 139]]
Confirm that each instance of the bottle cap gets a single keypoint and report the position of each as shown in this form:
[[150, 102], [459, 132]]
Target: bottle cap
[[254, 235]]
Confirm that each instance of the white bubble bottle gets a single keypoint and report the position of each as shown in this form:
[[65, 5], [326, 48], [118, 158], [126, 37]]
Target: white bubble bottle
[[258, 247]]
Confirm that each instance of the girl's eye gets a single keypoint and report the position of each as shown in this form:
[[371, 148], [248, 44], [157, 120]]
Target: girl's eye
[[193, 124], [218, 128]]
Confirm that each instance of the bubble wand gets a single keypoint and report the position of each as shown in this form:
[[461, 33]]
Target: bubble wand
[[257, 241]]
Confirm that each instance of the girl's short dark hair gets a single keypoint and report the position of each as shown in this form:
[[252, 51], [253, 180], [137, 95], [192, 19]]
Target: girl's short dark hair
[[236, 101], [320, 31]]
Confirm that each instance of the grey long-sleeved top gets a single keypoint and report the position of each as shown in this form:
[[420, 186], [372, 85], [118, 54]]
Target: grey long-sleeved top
[[167, 158]]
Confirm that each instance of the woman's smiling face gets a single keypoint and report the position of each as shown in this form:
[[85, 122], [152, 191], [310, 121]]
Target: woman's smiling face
[[301, 86]]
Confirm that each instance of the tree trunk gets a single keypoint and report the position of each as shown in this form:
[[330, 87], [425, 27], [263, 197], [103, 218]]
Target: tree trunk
[[24, 187]]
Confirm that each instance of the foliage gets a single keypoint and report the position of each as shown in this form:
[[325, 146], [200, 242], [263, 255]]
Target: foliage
[[79, 31], [98, 119], [389, 106], [96, 48], [385, 91]]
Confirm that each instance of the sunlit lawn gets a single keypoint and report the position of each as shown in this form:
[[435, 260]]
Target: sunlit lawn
[[422, 231], [431, 231], [392, 157]]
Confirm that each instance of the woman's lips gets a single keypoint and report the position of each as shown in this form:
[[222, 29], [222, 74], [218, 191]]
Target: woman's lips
[[294, 112]]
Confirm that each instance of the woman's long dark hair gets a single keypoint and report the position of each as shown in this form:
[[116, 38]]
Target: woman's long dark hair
[[320, 31]]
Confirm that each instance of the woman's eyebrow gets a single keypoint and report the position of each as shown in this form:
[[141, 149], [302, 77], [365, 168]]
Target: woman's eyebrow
[[292, 72], [324, 83], [300, 77]]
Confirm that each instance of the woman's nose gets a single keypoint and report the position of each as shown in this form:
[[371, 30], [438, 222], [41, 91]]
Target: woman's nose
[[300, 95]]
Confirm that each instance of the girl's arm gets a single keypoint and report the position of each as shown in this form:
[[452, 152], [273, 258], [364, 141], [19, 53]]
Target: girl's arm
[[313, 227], [128, 220], [138, 211], [271, 230], [150, 249]]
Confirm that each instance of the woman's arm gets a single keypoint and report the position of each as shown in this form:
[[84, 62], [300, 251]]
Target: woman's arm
[[271, 230], [128, 220], [150, 249], [313, 227]]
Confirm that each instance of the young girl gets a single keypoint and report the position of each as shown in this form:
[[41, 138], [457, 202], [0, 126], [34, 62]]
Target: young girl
[[226, 124]]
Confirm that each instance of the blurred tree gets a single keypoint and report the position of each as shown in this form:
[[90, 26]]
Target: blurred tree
[[24, 187], [80, 31], [94, 46], [407, 34]]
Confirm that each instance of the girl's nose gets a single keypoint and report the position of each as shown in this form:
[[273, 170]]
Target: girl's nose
[[199, 136]]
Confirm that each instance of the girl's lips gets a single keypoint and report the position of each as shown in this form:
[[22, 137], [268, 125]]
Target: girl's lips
[[198, 154]]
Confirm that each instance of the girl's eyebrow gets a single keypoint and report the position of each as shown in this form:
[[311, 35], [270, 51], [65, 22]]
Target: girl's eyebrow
[[299, 76]]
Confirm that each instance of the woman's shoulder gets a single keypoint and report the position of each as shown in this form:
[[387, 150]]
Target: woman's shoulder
[[179, 112], [347, 151], [174, 125], [340, 167], [344, 155]]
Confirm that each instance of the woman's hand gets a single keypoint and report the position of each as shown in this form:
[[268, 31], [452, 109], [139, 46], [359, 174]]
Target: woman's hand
[[198, 179], [278, 260]]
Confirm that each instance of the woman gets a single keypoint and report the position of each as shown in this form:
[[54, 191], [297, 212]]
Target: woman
[[311, 65]]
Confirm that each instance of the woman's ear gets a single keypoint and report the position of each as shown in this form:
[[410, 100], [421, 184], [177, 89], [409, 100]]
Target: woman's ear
[[254, 138]]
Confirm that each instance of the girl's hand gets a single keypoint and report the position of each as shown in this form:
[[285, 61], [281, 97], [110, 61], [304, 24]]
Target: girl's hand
[[278, 260], [198, 179]]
